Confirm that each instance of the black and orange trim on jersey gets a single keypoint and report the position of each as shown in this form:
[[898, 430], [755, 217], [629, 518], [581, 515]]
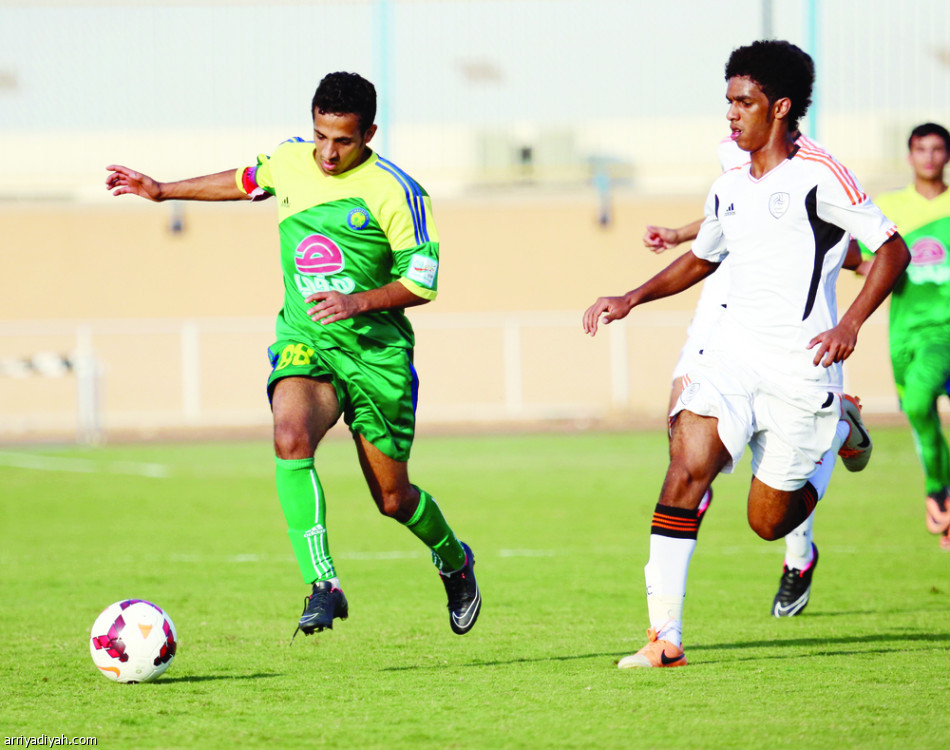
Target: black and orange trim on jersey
[[678, 523]]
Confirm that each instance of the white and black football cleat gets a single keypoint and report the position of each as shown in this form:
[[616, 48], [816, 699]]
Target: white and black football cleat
[[856, 450], [465, 600], [794, 589], [321, 607]]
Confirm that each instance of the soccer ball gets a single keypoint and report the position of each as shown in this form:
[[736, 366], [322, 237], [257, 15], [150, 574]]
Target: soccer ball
[[133, 641]]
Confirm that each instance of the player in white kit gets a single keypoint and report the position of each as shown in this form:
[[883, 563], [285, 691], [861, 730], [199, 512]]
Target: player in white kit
[[769, 376], [801, 553]]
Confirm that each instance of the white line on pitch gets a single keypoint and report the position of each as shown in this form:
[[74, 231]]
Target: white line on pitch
[[526, 553], [355, 556], [81, 465]]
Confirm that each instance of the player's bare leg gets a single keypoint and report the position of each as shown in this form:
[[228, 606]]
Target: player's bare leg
[[388, 481], [304, 410], [676, 389], [776, 513], [852, 444], [396, 497], [697, 455]]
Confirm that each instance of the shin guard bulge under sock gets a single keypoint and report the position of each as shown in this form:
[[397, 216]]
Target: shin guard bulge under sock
[[430, 526], [301, 498], [672, 541]]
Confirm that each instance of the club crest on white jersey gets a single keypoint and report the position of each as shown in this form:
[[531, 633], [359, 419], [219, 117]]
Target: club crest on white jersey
[[778, 204]]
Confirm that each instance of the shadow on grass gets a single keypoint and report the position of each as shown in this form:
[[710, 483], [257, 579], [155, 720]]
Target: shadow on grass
[[214, 677], [804, 647], [777, 646], [894, 638], [504, 662]]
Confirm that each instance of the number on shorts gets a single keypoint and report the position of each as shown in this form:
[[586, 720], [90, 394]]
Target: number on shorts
[[295, 354]]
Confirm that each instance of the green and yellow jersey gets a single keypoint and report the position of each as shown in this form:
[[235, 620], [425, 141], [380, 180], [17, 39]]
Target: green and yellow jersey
[[920, 303], [353, 232]]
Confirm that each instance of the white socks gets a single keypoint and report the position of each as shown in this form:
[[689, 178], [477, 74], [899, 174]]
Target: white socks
[[798, 549], [665, 575]]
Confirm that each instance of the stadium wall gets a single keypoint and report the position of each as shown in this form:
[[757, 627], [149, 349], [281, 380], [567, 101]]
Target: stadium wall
[[175, 304]]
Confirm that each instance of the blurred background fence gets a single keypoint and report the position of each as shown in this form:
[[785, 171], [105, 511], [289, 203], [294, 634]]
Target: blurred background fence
[[142, 377], [548, 133]]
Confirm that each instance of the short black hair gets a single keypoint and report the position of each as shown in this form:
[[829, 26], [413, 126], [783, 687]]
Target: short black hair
[[346, 93], [781, 70], [930, 128]]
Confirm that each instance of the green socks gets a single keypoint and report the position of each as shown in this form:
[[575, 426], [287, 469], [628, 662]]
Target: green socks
[[301, 498], [430, 526]]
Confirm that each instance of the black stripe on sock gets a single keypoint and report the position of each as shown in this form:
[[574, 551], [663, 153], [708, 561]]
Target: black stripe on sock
[[809, 498], [678, 523]]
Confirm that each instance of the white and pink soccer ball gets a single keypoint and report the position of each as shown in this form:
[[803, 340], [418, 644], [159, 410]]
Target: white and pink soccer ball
[[133, 641]]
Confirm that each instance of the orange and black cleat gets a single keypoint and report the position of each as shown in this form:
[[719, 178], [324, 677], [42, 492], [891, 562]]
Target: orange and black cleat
[[657, 653]]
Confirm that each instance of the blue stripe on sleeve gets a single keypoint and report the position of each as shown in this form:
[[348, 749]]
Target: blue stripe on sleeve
[[414, 198]]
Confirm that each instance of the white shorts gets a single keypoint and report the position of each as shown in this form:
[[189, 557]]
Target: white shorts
[[788, 429]]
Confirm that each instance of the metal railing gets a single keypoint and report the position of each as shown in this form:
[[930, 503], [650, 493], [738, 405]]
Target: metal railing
[[151, 374]]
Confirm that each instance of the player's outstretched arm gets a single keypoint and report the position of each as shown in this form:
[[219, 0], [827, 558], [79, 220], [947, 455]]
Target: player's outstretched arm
[[331, 306], [221, 186], [837, 344], [659, 239], [681, 274]]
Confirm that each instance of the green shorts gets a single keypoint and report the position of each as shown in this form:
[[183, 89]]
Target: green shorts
[[377, 388]]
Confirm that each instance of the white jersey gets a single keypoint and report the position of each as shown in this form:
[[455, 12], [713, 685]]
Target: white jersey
[[716, 287], [785, 235]]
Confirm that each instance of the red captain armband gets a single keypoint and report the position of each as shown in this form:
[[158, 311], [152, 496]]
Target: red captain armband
[[249, 184], [248, 181]]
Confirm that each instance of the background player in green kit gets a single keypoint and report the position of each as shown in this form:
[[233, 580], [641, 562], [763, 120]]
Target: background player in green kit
[[358, 245], [920, 311]]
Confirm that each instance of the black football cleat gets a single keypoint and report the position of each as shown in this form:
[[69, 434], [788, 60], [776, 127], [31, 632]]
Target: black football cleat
[[794, 589], [465, 600], [321, 607]]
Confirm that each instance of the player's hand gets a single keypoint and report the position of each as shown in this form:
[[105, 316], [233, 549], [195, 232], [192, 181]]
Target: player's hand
[[611, 308], [834, 345], [122, 180], [659, 239], [332, 306]]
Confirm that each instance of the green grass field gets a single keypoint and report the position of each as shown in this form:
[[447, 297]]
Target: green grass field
[[559, 524]]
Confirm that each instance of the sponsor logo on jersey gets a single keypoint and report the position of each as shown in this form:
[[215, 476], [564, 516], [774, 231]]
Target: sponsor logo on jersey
[[778, 204], [422, 270], [318, 255], [730, 211], [928, 262], [357, 219], [928, 251], [307, 285]]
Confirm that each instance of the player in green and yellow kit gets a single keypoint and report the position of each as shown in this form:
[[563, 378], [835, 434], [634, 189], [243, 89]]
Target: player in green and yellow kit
[[920, 311], [358, 245]]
